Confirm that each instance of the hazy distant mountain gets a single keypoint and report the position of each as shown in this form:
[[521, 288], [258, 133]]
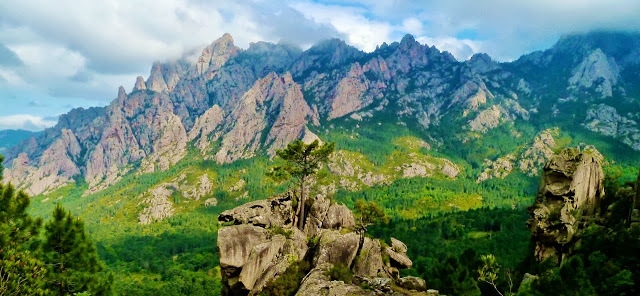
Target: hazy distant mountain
[[234, 104], [10, 138]]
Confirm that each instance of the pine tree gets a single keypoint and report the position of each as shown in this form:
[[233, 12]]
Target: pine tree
[[301, 162], [71, 257], [21, 272]]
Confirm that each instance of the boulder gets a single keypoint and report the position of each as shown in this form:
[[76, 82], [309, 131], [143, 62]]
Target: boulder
[[412, 283], [398, 260], [398, 246], [265, 213], [369, 262], [334, 247], [270, 259], [338, 217]]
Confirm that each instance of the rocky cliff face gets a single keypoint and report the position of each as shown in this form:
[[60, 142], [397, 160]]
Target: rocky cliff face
[[274, 107], [261, 243], [233, 104], [569, 197]]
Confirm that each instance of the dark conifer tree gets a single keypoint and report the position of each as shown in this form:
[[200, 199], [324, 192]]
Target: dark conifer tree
[[21, 272], [71, 257]]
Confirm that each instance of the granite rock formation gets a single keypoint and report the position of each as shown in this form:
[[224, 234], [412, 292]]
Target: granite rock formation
[[259, 243], [570, 195]]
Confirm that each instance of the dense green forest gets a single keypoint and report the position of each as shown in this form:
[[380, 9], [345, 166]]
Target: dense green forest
[[448, 224]]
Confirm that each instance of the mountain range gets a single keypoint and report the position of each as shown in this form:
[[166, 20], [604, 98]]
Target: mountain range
[[232, 104]]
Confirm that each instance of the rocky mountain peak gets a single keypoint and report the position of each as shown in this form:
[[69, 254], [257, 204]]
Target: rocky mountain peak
[[216, 54], [140, 84], [326, 54], [156, 81], [256, 100], [408, 40], [570, 194], [482, 63], [122, 94]]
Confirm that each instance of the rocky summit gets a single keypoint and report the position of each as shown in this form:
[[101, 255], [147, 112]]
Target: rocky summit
[[259, 244], [233, 104]]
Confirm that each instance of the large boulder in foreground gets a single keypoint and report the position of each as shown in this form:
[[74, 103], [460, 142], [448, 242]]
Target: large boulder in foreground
[[569, 196], [260, 243]]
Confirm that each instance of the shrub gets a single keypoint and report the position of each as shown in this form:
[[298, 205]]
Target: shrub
[[340, 272]]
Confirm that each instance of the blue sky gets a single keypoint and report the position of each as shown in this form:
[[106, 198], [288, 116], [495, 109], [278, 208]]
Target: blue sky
[[58, 55]]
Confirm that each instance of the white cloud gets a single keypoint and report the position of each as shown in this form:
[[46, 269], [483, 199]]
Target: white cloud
[[46, 60], [25, 122], [461, 49], [412, 26], [11, 78], [86, 49], [360, 32]]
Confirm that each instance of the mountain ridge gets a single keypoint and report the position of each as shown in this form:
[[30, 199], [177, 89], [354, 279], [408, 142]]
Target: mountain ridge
[[217, 102]]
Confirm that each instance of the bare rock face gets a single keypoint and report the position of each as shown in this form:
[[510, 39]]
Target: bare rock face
[[204, 127], [276, 99], [169, 144], [158, 205], [338, 216], [215, 55], [369, 262], [596, 70], [606, 120], [570, 194], [56, 167], [334, 248], [271, 258], [539, 153], [156, 82], [117, 145], [486, 119], [348, 93], [263, 242]]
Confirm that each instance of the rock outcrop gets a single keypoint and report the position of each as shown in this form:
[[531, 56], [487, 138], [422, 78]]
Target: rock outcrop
[[570, 195], [606, 120], [596, 70], [260, 243]]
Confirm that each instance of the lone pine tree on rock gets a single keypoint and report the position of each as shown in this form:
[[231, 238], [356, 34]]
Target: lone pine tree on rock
[[300, 162]]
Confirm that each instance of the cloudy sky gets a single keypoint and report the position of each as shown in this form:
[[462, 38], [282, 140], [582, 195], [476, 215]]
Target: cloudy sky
[[58, 55]]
